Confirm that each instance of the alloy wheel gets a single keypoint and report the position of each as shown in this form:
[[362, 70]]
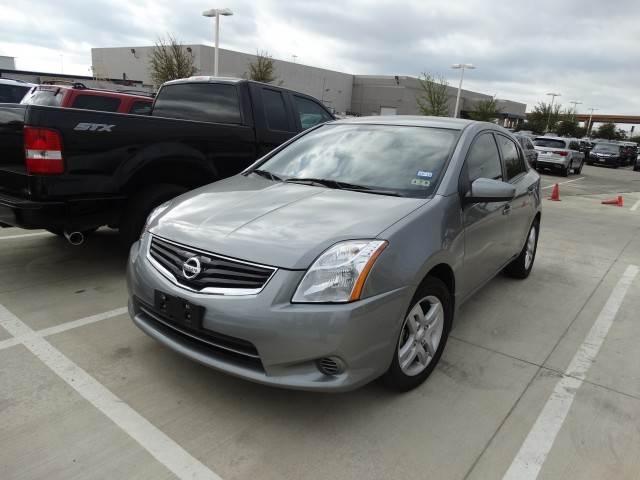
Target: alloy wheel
[[421, 335]]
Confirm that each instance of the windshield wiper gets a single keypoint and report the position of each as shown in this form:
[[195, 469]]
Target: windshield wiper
[[329, 183], [266, 174]]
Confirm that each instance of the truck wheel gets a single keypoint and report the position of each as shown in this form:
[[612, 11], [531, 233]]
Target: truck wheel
[[139, 207]]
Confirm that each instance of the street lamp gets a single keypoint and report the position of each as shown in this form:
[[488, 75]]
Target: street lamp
[[217, 12], [590, 117], [462, 67], [575, 106], [553, 97]]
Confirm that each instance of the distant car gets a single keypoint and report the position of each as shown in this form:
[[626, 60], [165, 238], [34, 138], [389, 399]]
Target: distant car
[[606, 153], [341, 256], [76, 95], [559, 155], [13, 91], [629, 152], [529, 148]]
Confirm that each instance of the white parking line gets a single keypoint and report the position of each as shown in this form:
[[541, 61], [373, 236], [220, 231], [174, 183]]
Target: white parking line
[[10, 342], [163, 448], [563, 183], [533, 452], [635, 206], [25, 235]]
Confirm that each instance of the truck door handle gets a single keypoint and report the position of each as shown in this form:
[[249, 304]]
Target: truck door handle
[[507, 209]]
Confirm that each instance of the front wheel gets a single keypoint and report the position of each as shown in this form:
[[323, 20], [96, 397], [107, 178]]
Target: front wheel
[[522, 265], [423, 336]]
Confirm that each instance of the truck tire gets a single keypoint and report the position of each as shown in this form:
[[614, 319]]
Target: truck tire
[[140, 205]]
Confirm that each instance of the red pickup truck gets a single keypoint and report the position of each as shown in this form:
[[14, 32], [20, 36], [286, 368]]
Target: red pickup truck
[[76, 95]]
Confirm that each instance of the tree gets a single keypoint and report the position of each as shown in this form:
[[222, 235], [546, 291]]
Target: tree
[[170, 61], [568, 125], [433, 100], [543, 112], [607, 131], [263, 69], [485, 111]]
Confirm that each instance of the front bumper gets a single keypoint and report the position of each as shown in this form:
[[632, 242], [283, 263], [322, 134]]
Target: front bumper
[[289, 338]]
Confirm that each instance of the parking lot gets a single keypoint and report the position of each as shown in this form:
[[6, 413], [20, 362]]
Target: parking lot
[[85, 394]]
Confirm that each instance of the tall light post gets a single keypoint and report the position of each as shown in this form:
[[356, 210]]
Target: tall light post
[[217, 12], [462, 67], [553, 97], [590, 118], [575, 106]]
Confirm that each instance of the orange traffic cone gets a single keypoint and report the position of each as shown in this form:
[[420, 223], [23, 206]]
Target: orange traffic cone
[[555, 193], [618, 201]]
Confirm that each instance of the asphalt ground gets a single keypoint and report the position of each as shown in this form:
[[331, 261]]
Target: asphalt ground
[[540, 378]]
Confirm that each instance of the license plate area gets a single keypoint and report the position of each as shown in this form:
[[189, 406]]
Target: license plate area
[[178, 310]]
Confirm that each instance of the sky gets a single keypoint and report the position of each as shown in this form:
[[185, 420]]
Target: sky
[[586, 50]]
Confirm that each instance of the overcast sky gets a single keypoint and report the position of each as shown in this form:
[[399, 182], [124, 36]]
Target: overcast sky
[[586, 50]]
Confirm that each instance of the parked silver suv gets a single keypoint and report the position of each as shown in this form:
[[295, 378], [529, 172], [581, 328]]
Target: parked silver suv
[[559, 154], [341, 256]]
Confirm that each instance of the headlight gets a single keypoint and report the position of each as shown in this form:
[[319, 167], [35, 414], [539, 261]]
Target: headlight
[[338, 275], [154, 214]]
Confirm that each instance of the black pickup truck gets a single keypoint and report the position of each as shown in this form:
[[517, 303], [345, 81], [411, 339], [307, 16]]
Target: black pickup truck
[[71, 171]]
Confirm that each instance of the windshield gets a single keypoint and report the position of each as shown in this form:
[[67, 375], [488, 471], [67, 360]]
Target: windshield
[[48, 97], [549, 143], [606, 148], [404, 159]]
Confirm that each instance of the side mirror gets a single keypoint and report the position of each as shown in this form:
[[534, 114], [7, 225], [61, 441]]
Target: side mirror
[[489, 190]]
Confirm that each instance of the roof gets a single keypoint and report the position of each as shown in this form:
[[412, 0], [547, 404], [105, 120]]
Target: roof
[[414, 120]]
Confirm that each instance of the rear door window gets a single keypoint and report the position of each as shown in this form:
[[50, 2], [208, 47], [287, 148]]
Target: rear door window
[[310, 113], [275, 110], [96, 102], [513, 162], [483, 160], [205, 102]]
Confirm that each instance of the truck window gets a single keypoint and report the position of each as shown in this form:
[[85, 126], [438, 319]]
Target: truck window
[[205, 102], [140, 108], [48, 97], [311, 114], [96, 102], [275, 110]]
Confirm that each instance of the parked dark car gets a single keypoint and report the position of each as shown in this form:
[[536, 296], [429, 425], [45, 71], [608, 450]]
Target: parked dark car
[[76, 95], [69, 170], [529, 149], [608, 154], [628, 152]]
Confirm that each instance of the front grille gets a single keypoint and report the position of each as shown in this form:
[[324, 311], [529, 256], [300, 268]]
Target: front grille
[[218, 274], [209, 342]]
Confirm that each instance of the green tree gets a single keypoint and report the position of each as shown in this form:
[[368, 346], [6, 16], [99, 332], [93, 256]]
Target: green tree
[[170, 61], [485, 111], [607, 131], [543, 113], [263, 68], [433, 98], [568, 125]]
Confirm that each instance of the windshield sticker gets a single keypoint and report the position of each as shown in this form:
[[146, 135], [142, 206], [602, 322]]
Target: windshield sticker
[[422, 173], [421, 182]]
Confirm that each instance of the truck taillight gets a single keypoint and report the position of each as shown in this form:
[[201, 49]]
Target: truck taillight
[[561, 153], [43, 151]]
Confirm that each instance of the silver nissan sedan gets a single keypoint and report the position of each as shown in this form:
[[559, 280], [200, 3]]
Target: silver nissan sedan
[[341, 256]]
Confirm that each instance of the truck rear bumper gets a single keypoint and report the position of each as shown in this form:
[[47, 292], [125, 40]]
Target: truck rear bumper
[[78, 215]]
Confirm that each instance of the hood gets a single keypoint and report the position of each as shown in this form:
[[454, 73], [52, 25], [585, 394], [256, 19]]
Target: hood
[[285, 225]]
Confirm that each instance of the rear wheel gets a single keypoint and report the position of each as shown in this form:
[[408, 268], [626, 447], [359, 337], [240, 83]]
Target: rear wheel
[[566, 170], [522, 265], [423, 336], [578, 170], [140, 205]]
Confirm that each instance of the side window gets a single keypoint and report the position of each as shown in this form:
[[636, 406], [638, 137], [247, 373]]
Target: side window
[[95, 102], [530, 145], [513, 162], [574, 146], [311, 114], [483, 160], [140, 108], [275, 110]]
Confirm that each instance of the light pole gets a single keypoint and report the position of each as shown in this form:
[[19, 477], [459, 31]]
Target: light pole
[[553, 97], [590, 118], [462, 67], [217, 12], [575, 106]]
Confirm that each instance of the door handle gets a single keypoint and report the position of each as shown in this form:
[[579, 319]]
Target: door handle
[[507, 209]]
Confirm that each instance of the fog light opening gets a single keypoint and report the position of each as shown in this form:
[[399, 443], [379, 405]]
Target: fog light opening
[[331, 366]]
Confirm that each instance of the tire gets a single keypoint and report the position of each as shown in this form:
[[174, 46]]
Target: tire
[[521, 266], [410, 376], [566, 171], [140, 205], [578, 170]]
